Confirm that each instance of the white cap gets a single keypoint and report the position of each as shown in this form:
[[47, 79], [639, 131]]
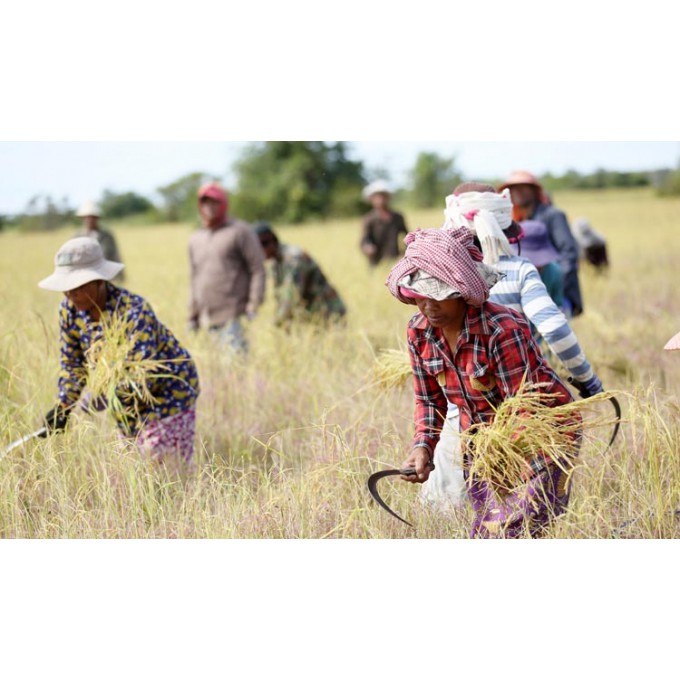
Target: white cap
[[89, 209], [377, 187]]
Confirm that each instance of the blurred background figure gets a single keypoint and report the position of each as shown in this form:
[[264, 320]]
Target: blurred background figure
[[592, 245], [538, 249], [90, 213], [302, 290], [531, 203], [227, 271], [382, 226]]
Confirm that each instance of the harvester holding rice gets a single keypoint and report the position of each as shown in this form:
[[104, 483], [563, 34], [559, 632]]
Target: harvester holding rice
[[112, 343], [520, 425], [488, 215]]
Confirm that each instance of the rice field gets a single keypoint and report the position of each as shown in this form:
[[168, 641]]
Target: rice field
[[287, 438]]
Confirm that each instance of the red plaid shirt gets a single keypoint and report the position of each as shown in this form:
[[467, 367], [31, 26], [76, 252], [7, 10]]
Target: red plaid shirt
[[494, 352]]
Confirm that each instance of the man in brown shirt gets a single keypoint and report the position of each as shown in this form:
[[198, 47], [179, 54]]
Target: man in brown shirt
[[382, 226], [227, 270]]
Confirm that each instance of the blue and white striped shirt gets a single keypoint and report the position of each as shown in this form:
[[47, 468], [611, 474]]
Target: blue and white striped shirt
[[523, 290]]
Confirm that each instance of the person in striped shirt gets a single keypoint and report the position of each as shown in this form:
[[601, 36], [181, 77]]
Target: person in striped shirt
[[488, 214]]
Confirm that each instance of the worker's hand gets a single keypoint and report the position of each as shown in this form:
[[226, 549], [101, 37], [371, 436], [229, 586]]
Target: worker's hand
[[91, 404], [369, 249], [535, 467], [56, 420], [422, 462], [590, 388]]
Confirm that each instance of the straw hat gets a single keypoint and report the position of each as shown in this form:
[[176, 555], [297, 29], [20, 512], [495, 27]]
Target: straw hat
[[80, 261], [673, 343], [377, 187], [520, 177], [89, 209]]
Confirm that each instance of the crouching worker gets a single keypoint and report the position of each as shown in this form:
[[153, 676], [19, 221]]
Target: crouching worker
[[474, 354], [154, 397], [592, 245], [303, 293]]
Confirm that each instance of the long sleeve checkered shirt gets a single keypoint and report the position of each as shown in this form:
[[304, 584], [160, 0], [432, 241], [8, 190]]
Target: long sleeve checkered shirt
[[494, 353]]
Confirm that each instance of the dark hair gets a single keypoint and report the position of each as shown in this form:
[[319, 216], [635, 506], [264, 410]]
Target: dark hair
[[264, 229], [474, 186]]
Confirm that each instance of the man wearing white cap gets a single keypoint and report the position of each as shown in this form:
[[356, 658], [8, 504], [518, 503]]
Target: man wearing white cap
[[90, 214], [161, 421], [382, 226]]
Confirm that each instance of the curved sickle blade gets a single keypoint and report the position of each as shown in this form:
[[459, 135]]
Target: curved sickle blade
[[617, 408], [23, 440], [615, 403], [373, 488]]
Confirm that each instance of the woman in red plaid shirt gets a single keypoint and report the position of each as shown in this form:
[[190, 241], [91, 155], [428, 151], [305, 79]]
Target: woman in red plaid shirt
[[472, 353]]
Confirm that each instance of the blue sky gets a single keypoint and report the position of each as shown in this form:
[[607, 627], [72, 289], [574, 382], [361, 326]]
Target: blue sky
[[81, 170]]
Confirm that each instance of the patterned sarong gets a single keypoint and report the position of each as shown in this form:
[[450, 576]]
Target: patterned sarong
[[524, 513], [170, 438]]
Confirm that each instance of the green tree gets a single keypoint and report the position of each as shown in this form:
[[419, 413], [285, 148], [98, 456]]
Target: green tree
[[116, 206], [432, 179], [291, 182], [180, 198]]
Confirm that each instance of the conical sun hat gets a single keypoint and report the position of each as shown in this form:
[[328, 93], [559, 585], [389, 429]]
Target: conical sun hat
[[78, 262]]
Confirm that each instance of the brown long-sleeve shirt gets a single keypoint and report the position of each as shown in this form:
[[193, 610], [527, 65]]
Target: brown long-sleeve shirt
[[383, 235], [227, 273]]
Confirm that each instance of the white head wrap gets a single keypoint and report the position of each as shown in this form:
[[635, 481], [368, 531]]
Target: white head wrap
[[487, 215]]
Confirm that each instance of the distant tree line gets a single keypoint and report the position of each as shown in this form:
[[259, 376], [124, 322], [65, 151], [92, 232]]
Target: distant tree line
[[293, 182]]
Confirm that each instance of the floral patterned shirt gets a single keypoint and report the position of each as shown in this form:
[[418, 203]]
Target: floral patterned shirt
[[174, 388]]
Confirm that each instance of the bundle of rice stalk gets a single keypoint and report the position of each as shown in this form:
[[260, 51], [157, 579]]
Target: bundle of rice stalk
[[117, 375], [527, 430], [392, 368]]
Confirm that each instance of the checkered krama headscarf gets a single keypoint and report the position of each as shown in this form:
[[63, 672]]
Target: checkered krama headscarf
[[446, 254]]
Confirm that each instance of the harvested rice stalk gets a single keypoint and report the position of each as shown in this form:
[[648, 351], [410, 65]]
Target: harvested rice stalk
[[392, 368], [526, 429], [117, 373]]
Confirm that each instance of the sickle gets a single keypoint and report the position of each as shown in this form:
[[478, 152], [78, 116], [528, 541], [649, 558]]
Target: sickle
[[23, 440], [373, 487], [617, 408], [584, 394]]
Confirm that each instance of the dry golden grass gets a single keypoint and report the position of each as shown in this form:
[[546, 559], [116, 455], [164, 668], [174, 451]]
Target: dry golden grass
[[287, 439]]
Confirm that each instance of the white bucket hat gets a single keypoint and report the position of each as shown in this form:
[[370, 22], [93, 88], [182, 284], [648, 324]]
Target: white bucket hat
[[377, 187], [89, 209], [80, 261]]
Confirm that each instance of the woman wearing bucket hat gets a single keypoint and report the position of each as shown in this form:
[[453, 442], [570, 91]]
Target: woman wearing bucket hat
[[531, 203], [479, 208], [90, 213], [161, 419], [382, 226], [475, 354]]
